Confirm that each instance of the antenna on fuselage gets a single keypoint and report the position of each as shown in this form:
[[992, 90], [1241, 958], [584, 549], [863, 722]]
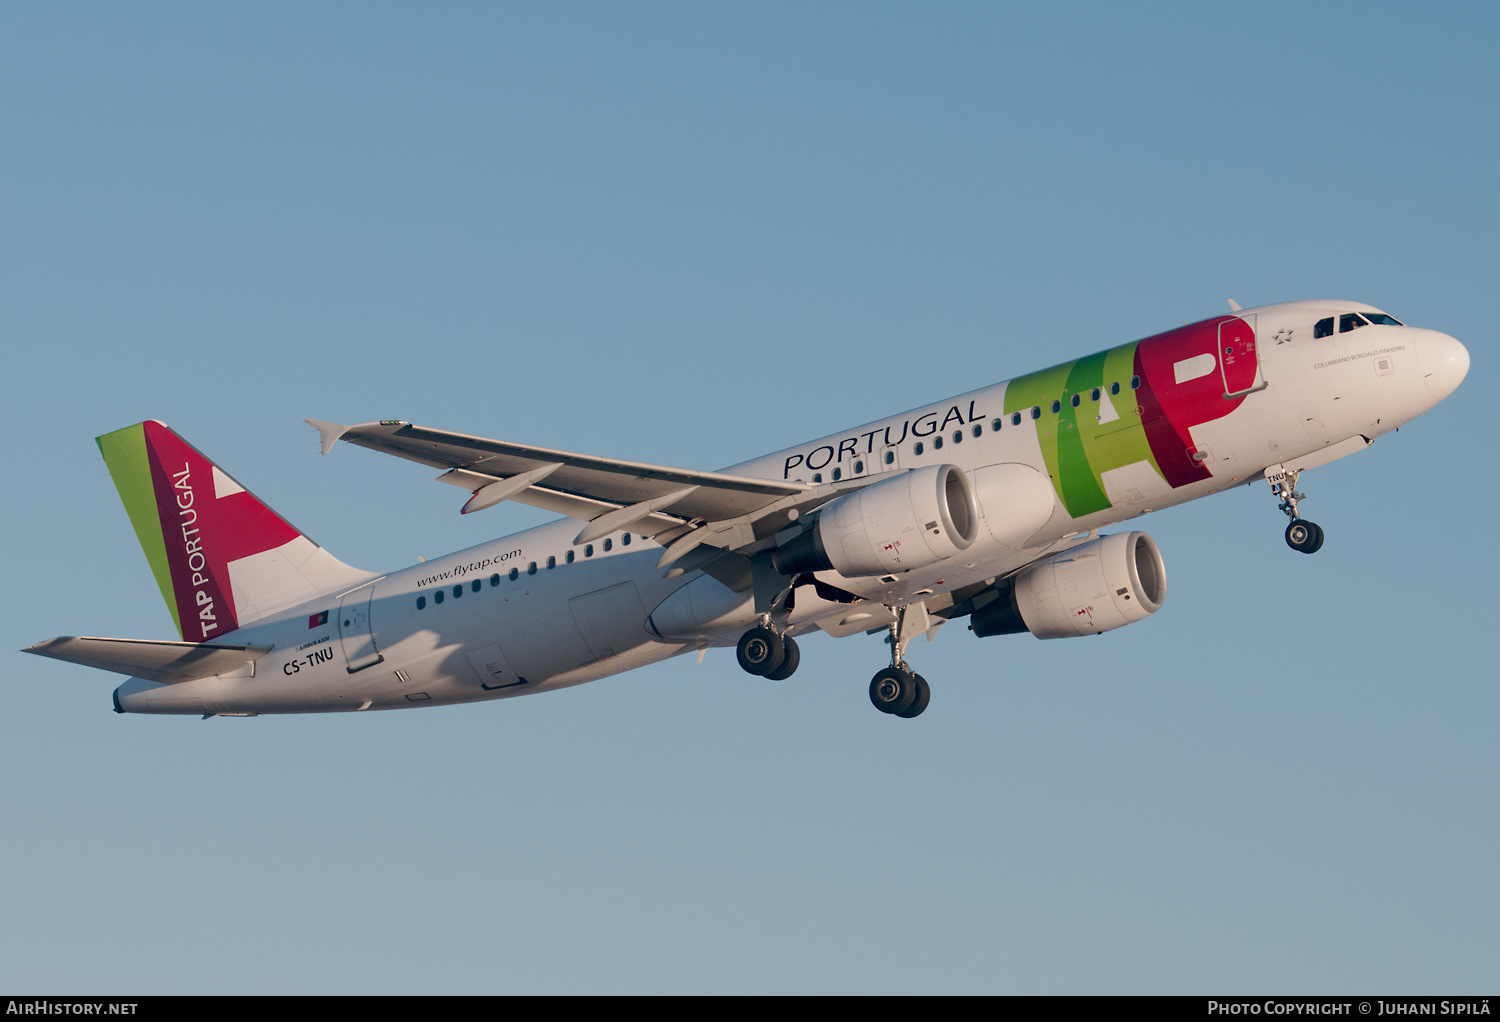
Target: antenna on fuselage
[[1234, 306]]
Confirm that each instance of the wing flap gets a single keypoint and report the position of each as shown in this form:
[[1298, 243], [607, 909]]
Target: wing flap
[[168, 662]]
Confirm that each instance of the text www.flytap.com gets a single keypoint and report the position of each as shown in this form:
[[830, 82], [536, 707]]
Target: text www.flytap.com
[[460, 570]]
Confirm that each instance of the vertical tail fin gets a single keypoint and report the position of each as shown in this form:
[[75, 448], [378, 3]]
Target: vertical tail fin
[[221, 557]]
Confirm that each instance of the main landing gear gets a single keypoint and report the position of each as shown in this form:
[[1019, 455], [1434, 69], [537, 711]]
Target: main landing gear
[[1303, 536], [767, 653], [898, 689]]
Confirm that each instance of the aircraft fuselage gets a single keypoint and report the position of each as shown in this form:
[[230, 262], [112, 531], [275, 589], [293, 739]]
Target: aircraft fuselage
[[1110, 437]]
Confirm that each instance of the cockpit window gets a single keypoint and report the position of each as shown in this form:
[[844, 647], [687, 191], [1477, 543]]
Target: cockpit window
[[1381, 319], [1351, 321], [1323, 328]]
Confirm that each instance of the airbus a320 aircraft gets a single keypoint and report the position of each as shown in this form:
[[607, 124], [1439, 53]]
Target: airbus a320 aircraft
[[987, 506]]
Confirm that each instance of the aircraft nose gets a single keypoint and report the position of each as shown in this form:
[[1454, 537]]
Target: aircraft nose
[[1444, 362]]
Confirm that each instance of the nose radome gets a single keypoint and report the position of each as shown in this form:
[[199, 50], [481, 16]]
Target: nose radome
[[1444, 362]]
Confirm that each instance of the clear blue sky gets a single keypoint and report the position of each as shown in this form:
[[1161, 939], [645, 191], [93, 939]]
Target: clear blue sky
[[690, 234]]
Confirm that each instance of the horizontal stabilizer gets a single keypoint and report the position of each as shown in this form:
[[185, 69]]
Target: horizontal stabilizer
[[153, 660]]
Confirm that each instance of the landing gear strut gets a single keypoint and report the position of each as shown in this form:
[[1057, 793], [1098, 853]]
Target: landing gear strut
[[898, 689], [1303, 536]]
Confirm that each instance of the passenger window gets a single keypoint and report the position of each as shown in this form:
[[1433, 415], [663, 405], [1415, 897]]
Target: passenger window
[[475, 585], [979, 430], [570, 557], [625, 539], [458, 591], [918, 448], [1056, 407], [1114, 388], [859, 467], [1135, 383], [1351, 321], [437, 597], [1036, 411], [1015, 420], [937, 443], [494, 580], [958, 436], [817, 477], [551, 562], [994, 426], [609, 544], [421, 603], [1077, 399], [890, 457], [838, 474], [515, 573], [1094, 394], [1323, 328], [531, 568], [588, 551]]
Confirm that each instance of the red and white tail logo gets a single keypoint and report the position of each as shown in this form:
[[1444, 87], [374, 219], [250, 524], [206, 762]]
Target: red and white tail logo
[[231, 559]]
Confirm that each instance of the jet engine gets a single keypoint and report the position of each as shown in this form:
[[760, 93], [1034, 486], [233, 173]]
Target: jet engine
[[909, 521], [1101, 585]]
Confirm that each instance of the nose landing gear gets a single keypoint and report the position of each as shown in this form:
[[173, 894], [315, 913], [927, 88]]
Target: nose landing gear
[[1303, 536]]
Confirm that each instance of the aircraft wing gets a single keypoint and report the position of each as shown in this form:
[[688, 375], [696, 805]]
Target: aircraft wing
[[168, 662], [681, 508]]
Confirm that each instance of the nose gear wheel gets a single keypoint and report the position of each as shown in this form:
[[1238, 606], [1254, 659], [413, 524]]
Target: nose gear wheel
[[1304, 537], [1301, 535]]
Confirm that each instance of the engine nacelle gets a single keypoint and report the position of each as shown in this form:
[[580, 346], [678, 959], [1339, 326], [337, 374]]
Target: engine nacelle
[[909, 521], [1105, 584]]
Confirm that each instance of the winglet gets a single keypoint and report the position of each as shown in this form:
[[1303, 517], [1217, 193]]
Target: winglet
[[1234, 306], [328, 432]]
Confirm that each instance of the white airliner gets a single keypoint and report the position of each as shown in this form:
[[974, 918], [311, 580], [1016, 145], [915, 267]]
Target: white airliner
[[987, 505]]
